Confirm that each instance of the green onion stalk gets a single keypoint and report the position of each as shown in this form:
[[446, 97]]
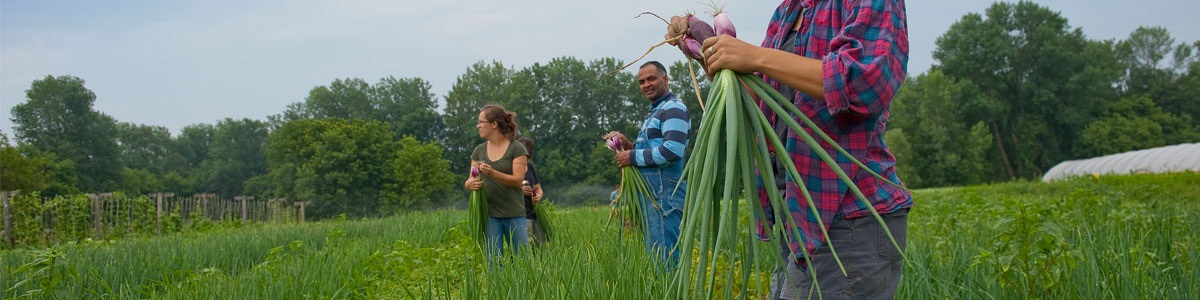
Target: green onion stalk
[[629, 197], [478, 211], [730, 158], [544, 217]]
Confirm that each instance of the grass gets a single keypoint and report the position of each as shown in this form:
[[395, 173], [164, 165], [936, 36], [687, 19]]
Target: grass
[[1088, 238], [1126, 237]]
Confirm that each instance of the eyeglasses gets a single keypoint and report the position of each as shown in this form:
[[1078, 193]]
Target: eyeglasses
[[483, 122]]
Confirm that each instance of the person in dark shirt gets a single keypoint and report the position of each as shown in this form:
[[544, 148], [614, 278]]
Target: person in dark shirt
[[532, 188]]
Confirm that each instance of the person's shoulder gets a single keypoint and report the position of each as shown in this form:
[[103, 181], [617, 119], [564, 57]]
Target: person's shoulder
[[673, 108], [517, 148], [674, 102], [481, 147]]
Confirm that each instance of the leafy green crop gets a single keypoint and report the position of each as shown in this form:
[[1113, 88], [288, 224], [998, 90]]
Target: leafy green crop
[[1113, 237]]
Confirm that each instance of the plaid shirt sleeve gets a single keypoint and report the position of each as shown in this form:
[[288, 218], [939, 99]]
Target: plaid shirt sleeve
[[863, 46], [867, 59]]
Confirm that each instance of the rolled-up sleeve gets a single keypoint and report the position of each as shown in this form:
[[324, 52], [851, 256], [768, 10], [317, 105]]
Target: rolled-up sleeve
[[868, 59]]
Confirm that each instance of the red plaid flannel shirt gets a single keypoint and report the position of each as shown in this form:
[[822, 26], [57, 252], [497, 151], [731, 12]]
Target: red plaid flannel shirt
[[863, 46]]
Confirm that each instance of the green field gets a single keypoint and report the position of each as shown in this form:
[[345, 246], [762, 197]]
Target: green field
[[1090, 238]]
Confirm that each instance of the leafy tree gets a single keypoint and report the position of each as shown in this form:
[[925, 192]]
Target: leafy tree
[[583, 103], [20, 173], [261, 187], [139, 181], [193, 144], [236, 154], [1184, 100], [419, 176], [1117, 133], [482, 84], [1041, 81], [346, 99], [406, 104], [145, 147], [58, 118], [409, 107], [1133, 124], [340, 165], [179, 184], [902, 149], [600, 163], [1171, 84], [935, 141], [181, 172]]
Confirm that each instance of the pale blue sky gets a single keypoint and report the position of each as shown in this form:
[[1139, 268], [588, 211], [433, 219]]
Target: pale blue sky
[[175, 63]]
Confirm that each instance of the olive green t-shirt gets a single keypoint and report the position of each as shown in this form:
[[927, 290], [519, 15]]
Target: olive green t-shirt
[[503, 201]]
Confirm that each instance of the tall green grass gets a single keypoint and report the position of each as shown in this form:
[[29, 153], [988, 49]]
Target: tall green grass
[[155, 267], [1114, 237], [1126, 237]]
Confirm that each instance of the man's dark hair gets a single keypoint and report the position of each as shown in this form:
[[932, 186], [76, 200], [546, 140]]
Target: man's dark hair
[[657, 65]]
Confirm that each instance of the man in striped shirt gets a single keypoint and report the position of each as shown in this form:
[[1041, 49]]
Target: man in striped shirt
[[659, 154]]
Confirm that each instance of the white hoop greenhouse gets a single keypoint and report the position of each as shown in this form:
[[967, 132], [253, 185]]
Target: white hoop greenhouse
[[1166, 159]]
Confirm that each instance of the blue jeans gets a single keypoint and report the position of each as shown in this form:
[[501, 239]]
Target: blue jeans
[[662, 227], [501, 230]]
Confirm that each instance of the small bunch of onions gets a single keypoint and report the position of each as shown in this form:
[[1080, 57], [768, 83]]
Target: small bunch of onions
[[478, 210], [544, 217], [729, 162], [695, 31], [632, 191]]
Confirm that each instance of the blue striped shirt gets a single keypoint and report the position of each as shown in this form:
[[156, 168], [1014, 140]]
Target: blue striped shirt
[[664, 135]]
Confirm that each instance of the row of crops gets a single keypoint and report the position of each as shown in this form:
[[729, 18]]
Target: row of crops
[[1088, 238]]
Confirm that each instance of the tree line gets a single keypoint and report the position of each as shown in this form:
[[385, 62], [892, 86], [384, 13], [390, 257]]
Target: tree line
[[351, 146], [1013, 91], [1016, 90]]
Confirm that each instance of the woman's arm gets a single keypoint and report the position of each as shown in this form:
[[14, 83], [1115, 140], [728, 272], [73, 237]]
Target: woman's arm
[[857, 75], [512, 180]]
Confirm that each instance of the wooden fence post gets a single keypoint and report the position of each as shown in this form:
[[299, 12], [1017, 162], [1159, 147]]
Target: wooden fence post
[[275, 209], [158, 214], [301, 205], [158, 197], [8, 230], [96, 214], [116, 218], [204, 203], [243, 200]]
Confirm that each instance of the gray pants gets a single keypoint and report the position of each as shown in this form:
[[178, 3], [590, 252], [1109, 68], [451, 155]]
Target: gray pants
[[872, 263], [536, 233]]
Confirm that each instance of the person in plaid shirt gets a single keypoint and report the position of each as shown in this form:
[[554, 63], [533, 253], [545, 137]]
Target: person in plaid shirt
[[840, 62]]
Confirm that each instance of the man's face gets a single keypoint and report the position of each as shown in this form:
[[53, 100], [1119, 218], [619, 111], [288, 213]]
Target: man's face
[[652, 82]]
